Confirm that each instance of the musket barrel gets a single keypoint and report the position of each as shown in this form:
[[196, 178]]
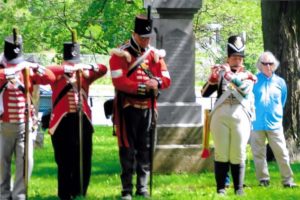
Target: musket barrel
[[152, 137], [27, 127], [79, 86]]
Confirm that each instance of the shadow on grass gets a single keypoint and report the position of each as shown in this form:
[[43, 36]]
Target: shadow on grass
[[106, 167], [109, 198], [105, 158], [89, 197], [42, 171], [39, 197]]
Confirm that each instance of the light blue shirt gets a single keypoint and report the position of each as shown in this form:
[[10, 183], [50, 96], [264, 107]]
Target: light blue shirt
[[270, 97]]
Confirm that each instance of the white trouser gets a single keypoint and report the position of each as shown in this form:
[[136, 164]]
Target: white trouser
[[230, 127], [277, 143], [12, 144]]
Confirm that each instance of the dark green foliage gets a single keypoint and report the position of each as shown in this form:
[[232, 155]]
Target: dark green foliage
[[235, 17], [46, 25]]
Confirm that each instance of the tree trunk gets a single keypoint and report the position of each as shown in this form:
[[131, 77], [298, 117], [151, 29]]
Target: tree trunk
[[281, 35]]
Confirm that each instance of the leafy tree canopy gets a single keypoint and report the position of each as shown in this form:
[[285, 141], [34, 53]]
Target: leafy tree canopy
[[234, 17], [105, 24], [45, 25]]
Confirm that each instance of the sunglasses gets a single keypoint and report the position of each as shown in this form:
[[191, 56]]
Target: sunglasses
[[267, 63]]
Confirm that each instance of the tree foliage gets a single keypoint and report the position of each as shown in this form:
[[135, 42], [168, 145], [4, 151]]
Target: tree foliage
[[45, 25], [235, 17], [104, 24]]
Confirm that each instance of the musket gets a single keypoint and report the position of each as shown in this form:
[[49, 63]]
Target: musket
[[27, 128], [79, 110], [152, 137], [26, 73], [205, 135], [153, 121]]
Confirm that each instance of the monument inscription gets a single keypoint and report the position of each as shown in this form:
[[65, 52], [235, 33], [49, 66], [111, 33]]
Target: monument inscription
[[180, 61]]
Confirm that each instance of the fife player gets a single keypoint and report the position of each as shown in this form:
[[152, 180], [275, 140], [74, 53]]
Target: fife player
[[232, 114]]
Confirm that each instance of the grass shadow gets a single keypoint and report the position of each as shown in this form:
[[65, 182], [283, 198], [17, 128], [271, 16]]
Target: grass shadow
[[39, 197]]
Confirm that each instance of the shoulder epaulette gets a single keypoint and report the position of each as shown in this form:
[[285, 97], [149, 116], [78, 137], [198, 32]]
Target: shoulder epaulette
[[121, 53], [158, 53]]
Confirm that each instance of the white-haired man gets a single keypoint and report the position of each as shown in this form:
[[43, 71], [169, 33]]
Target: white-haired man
[[270, 97]]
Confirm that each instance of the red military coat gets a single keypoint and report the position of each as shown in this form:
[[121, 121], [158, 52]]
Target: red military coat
[[12, 93], [68, 101], [120, 64], [131, 82]]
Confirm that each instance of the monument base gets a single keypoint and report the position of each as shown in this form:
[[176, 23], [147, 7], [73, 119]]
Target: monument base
[[181, 158], [179, 139], [179, 135]]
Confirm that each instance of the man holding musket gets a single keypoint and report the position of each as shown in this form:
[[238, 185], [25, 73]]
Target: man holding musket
[[14, 108], [231, 116], [72, 142], [138, 71]]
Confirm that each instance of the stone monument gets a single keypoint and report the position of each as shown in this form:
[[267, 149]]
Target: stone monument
[[178, 146]]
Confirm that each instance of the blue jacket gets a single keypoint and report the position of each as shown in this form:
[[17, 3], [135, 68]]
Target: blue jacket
[[270, 97]]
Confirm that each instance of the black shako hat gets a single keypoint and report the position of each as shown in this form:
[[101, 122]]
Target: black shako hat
[[72, 50], [236, 46], [13, 46], [143, 24]]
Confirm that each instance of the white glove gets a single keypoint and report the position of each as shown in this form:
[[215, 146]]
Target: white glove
[[10, 73], [41, 69], [24, 64], [95, 67], [82, 66], [70, 69]]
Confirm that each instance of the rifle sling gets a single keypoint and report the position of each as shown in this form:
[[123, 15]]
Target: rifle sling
[[148, 72], [132, 69], [137, 63], [20, 87], [62, 93]]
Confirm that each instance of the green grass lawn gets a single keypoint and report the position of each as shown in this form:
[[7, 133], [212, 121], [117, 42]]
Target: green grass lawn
[[105, 181]]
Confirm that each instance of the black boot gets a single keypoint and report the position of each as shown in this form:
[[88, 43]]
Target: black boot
[[238, 175], [127, 165], [221, 170]]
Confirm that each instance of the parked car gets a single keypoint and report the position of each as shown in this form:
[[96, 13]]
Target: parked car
[[45, 105]]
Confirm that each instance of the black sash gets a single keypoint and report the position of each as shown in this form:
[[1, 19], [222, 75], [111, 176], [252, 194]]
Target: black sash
[[62, 93]]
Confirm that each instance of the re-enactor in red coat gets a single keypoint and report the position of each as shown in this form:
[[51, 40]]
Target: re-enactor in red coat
[[12, 116], [136, 70], [64, 126]]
